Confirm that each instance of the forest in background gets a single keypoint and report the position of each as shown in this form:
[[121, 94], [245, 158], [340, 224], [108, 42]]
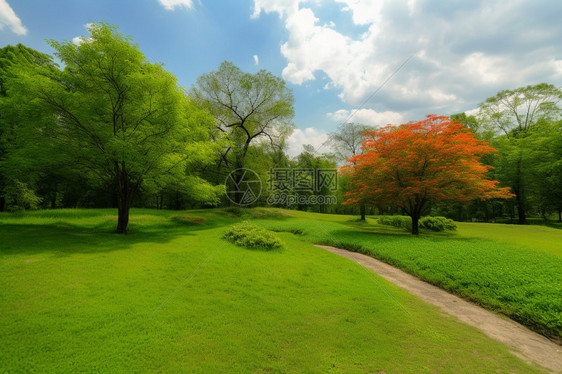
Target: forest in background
[[110, 129]]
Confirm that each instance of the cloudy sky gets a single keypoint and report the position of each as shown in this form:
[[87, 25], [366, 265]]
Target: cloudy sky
[[439, 57]]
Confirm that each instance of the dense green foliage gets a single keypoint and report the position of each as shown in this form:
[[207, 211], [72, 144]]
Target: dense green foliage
[[110, 129], [250, 110], [20, 197], [246, 234], [404, 222], [437, 224], [172, 297], [118, 119], [524, 124], [506, 273]]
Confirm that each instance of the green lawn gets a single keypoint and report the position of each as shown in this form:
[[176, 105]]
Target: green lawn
[[534, 237], [514, 270], [174, 297]]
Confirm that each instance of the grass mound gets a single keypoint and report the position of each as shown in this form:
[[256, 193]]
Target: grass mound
[[257, 213], [248, 235], [187, 220]]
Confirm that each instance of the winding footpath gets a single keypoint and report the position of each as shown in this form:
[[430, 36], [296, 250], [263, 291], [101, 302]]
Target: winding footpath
[[524, 343]]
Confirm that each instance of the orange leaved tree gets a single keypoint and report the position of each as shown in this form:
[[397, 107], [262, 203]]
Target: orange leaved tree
[[413, 164]]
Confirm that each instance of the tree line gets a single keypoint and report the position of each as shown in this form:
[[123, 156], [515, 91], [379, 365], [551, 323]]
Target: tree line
[[404, 169], [108, 128]]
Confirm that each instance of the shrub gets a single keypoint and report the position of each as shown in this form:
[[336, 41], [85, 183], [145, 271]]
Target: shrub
[[248, 235], [437, 224], [404, 222], [20, 197]]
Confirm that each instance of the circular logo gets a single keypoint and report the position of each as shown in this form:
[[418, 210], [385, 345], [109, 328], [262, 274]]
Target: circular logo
[[242, 186]]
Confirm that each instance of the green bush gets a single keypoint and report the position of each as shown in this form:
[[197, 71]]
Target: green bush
[[20, 197], [404, 222], [437, 224], [248, 235]]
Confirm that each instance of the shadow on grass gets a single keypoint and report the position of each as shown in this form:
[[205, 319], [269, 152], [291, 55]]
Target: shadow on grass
[[92, 230], [68, 239]]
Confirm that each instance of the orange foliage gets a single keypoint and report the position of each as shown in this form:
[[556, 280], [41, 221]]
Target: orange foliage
[[412, 164]]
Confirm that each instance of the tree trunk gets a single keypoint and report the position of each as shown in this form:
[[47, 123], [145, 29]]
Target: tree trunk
[[362, 211], [2, 203], [237, 192], [522, 218], [125, 193], [124, 205], [519, 194], [54, 198], [415, 225]]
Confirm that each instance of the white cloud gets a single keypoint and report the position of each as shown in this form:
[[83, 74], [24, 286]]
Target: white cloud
[[310, 135], [472, 112], [363, 12], [256, 60], [9, 18], [557, 66], [172, 4], [283, 7], [462, 52], [486, 69], [367, 117], [81, 39]]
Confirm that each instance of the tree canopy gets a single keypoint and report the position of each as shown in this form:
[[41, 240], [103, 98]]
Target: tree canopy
[[124, 120], [512, 116], [247, 108], [413, 164]]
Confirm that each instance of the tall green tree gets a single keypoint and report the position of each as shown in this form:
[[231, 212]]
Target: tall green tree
[[247, 108], [13, 59], [546, 152], [116, 116], [513, 115]]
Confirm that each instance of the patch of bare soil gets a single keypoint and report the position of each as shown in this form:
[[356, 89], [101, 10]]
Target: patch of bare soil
[[525, 344]]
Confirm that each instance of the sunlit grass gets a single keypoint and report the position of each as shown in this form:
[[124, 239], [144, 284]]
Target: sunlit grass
[[175, 297], [514, 270]]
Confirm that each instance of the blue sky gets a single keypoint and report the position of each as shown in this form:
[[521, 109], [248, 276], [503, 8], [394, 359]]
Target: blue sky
[[334, 54]]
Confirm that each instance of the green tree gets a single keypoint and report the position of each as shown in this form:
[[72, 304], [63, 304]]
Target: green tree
[[546, 152], [246, 107], [13, 59], [513, 115], [117, 117]]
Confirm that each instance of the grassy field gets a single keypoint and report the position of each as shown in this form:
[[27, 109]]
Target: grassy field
[[514, 270], [174, 297]]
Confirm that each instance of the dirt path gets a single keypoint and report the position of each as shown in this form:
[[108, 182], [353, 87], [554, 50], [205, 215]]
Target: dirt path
[[526, 344]]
